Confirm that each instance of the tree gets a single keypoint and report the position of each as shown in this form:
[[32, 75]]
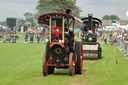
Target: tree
[[106, 17], [29, 17], [110, 17], [115, 17], [47, 6]]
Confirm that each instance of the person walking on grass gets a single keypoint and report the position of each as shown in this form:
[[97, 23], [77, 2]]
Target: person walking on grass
[[26, 38], [31, 36], [38, 37], [102, 37], [22, 29], [105, 38], [14, 35]]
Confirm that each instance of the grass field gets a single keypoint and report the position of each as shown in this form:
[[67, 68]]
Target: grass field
[[20, 64]]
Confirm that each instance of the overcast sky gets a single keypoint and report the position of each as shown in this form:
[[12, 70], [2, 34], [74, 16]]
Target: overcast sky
[[16, 8], [99, 8]]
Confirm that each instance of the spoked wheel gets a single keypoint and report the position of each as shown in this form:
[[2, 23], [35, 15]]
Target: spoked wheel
[[79, 62], [47, 69], [81, 59], [71, 64], [45, 66]]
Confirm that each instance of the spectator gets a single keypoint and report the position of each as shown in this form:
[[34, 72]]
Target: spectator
[[31, 36], [25, 28], [26, 37], [110, 35], [1, 29], [102, 37], [38, 38], [114, 37], [105, 38], [35, 31], [14, 35], [22, 29], [14, 29], [41, 35], [126, 39], [7, 29], [44, 33], [14, 38]]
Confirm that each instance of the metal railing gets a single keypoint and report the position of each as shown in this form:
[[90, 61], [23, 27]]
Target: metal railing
[[122, 45]]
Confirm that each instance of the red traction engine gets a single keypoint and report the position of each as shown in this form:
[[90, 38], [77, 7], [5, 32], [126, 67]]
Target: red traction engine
[[61, 50]]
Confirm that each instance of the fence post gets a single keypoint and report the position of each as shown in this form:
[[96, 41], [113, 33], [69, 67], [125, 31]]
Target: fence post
[[123, 46], [127, 50], [120, 44], [118, 40]]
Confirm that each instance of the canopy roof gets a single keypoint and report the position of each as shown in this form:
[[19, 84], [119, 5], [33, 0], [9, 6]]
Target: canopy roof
[[44, 19], [94, 20]]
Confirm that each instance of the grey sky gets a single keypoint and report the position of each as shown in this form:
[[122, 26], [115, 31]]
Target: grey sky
[[16, 8], [99, 8]]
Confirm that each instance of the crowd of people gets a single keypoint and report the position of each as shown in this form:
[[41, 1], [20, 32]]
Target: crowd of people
[[102, 37], [29, 34], [114, 36], [8, 35], [120, 38], [117, 35], [38, 34]]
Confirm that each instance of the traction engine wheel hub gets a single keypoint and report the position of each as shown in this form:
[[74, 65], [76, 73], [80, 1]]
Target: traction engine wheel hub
[[58, 50]]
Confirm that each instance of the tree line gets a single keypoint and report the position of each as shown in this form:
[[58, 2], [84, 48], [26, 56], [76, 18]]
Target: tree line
[[110, 17]]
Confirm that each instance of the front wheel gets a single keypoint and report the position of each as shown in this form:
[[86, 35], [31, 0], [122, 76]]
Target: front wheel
[[47, 69], [45, 66], [71, 64], [79, 62]]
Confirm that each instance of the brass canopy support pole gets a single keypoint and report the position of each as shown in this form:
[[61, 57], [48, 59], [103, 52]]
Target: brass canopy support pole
[[50, 20], [63, 28]]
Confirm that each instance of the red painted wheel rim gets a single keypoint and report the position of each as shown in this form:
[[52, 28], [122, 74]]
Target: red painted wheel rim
[[81, 58], [72, 66]]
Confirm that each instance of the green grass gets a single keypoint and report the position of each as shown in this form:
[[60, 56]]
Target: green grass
[[20, 64]]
